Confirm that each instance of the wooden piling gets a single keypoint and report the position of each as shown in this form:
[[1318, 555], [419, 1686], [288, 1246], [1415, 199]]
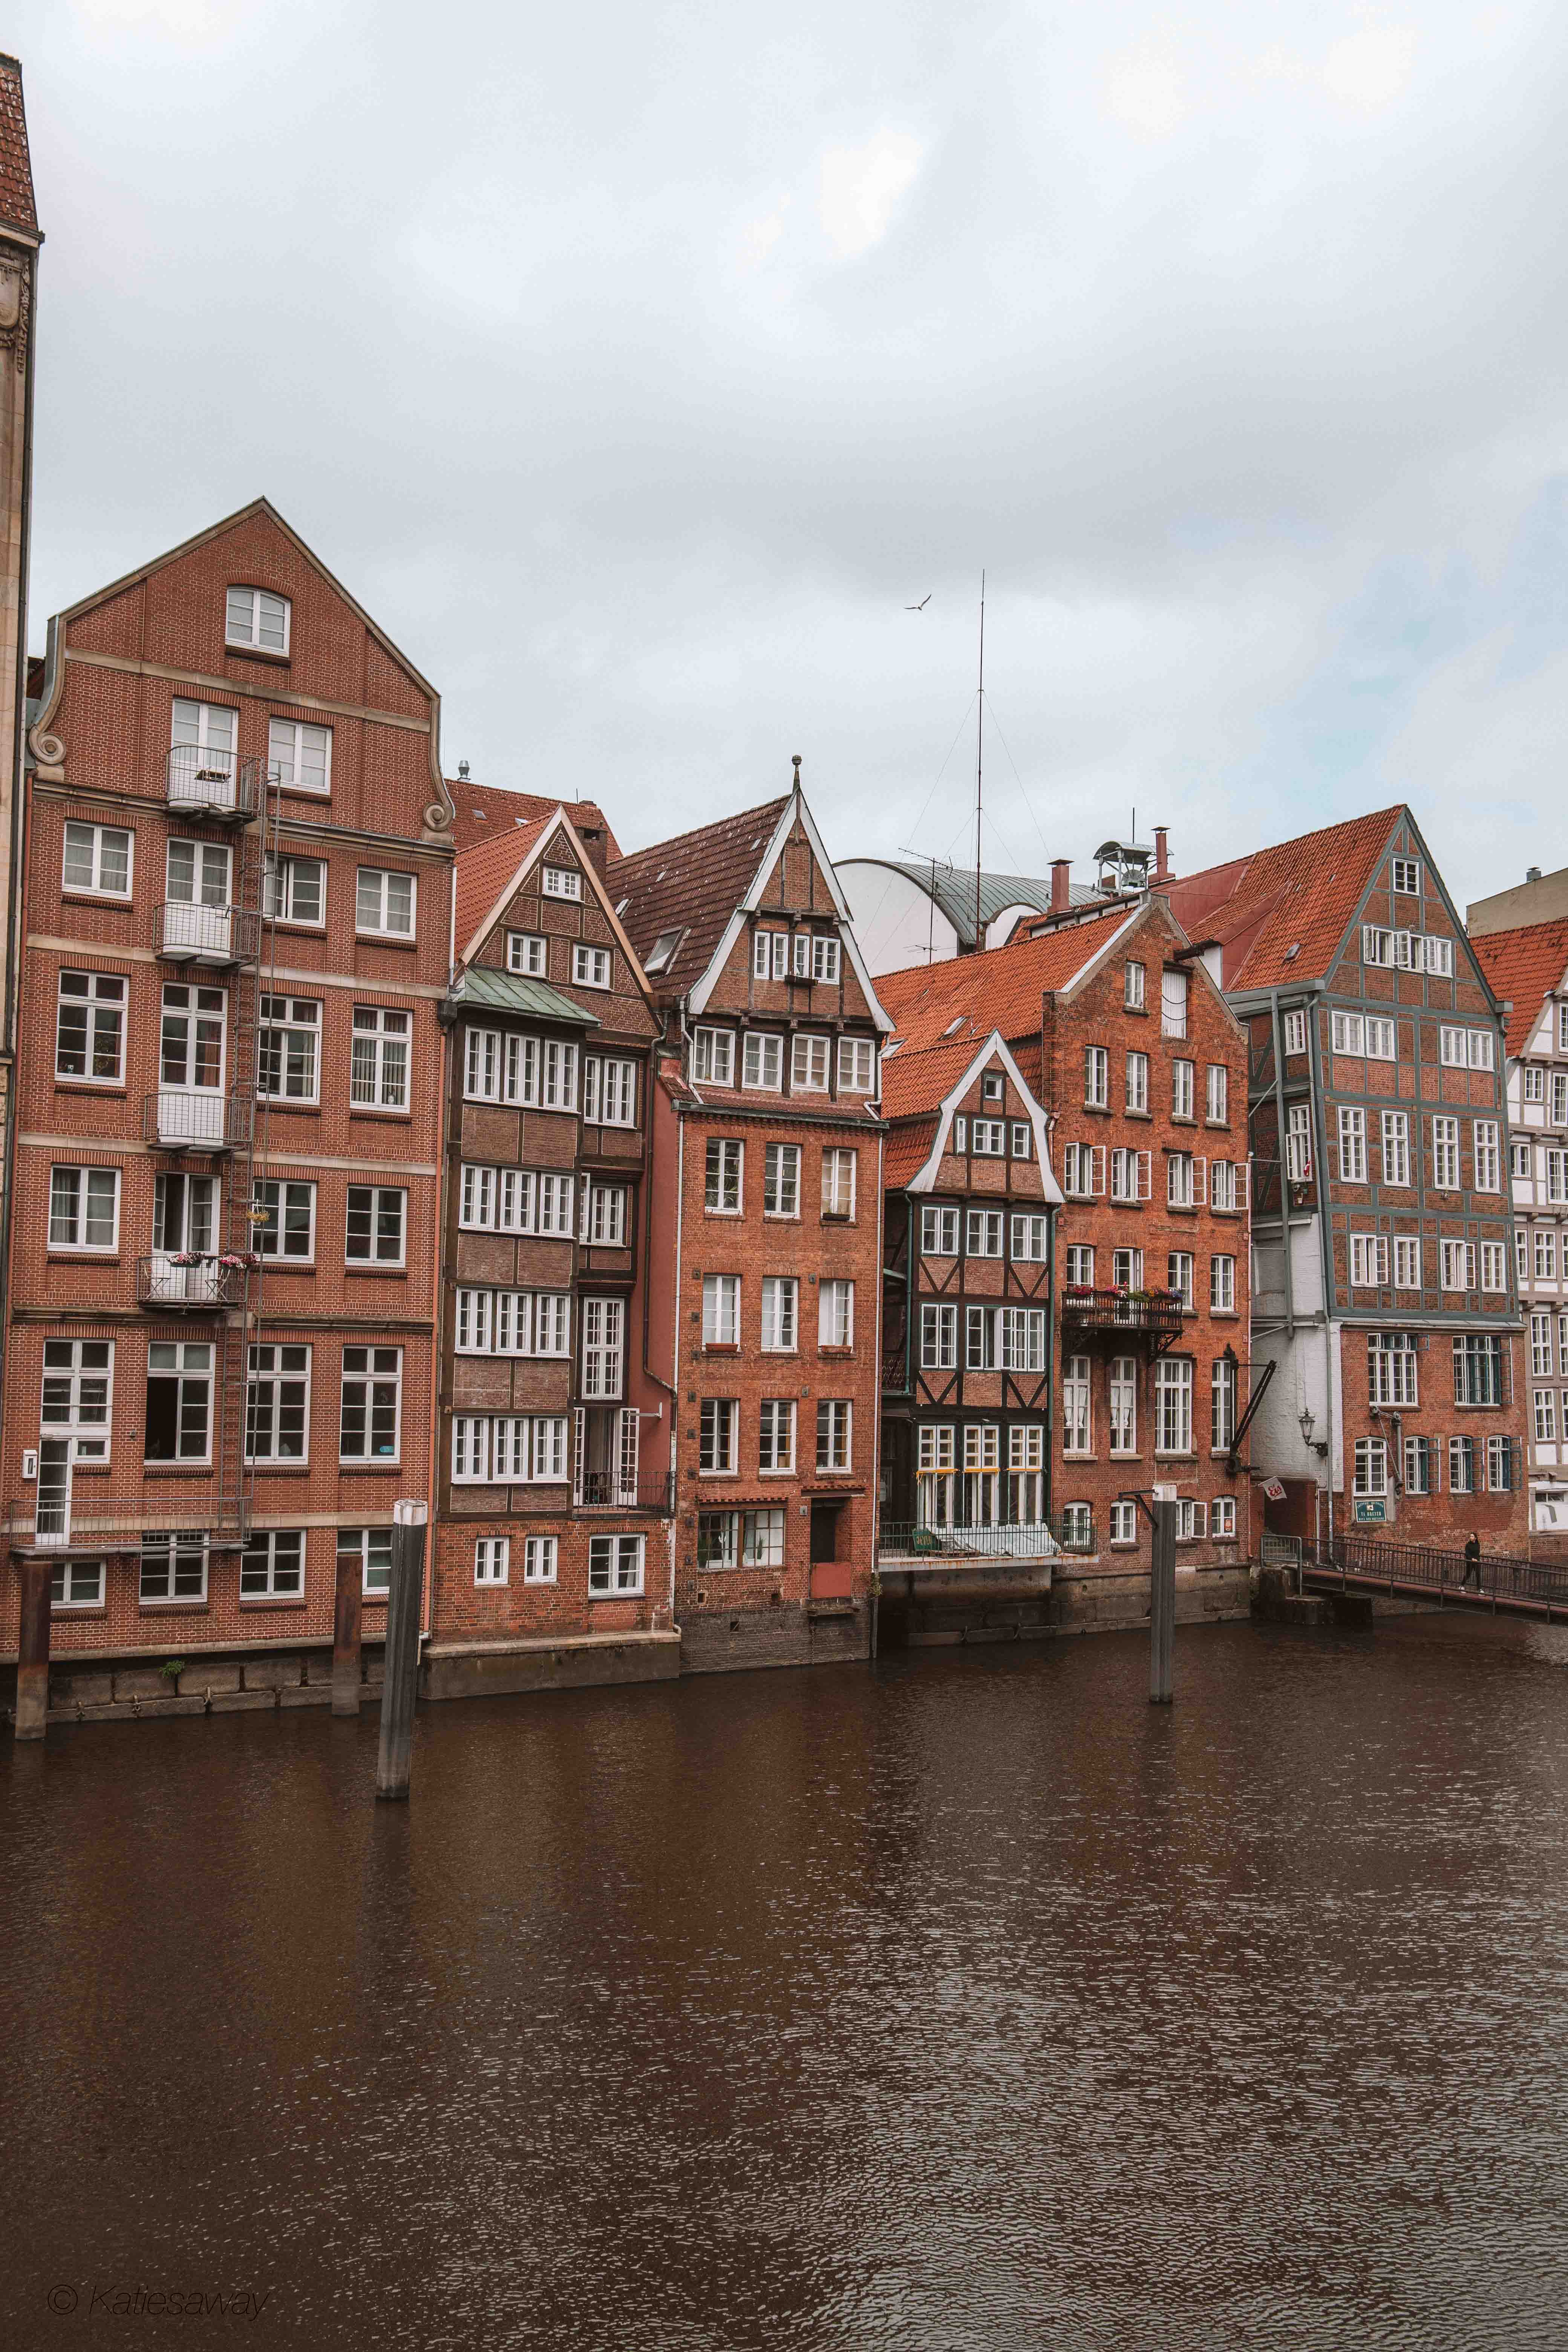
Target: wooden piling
[[402, 1667], [346, 1668], [33, 1649], [1163, 1605]]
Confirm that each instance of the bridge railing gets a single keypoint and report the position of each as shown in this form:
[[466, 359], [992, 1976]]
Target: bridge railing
[[1504, 1576]]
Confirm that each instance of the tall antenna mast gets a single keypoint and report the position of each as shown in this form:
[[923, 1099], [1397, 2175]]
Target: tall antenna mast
[[979, 763]]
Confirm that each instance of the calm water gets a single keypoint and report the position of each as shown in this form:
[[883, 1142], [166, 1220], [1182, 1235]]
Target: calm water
[[965, 2002]]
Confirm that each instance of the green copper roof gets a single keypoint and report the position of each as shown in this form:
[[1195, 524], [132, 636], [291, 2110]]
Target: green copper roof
[[513, 992]]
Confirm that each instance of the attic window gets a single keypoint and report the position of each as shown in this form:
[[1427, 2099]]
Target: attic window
[[563, 882], [1293, 950], [663, 952], [621, 906], [953, 1026]]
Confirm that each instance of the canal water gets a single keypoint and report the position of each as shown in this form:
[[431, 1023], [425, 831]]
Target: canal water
[[962, 2002]]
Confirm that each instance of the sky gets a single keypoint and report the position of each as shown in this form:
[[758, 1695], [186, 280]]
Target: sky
[[637, 366]]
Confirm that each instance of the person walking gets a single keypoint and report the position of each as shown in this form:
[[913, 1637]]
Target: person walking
[[1472, 1562]]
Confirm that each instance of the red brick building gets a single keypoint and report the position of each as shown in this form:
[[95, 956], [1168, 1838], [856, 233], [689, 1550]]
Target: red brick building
[[766, 1275], [1384, 1281], [1126, 1046], [221, 1304], [553, 1541]]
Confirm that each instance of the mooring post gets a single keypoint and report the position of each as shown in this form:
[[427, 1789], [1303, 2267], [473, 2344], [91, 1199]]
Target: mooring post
[[1162, 1604], [402, 1666], [346, 1666], [37, 1575]]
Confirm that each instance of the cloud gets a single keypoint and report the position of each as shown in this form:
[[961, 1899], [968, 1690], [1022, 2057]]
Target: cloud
[[637, 378], [860, 189]]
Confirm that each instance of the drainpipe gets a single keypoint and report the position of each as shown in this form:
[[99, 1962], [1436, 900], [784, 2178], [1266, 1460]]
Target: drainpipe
[[1050, 1348], [1279, 1034], [1320, 1144]]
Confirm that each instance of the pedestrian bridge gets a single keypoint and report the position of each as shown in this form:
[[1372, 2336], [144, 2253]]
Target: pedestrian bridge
[[1508, 1584]]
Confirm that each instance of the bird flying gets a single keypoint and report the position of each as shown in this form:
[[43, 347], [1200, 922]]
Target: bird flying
[[925, 600]]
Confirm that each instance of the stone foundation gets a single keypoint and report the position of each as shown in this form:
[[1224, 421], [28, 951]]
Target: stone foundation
[[813, 1633], [934, 1609], [497, 1669], [130, 1688]]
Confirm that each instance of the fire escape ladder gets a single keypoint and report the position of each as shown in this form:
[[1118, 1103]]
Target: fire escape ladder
[[234, 1476]]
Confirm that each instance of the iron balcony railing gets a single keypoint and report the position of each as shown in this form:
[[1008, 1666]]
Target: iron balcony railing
[[79, 1520], [180, 1278], [200, 782], [181, 1120], [604, 1491], [1111, 1309], [214, 936], [911, 1542]]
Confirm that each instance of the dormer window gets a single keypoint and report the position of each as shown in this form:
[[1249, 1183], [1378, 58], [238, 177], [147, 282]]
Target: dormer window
[[662, 954], [258, 620], [563, 882]]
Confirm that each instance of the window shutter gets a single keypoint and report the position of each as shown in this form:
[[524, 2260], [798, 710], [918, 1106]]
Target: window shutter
[[1200, 1181], [1145, 1175], [578, 1421], [1096, 1181], [630, 1419]]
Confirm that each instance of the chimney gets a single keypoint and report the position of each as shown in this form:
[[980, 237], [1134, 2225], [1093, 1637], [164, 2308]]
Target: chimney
[[592, 837], [1061, 897], [1162, 860], [1532, 873]]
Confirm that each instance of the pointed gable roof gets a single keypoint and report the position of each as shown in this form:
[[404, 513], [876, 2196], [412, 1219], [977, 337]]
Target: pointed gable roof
[[966, 997], [1298, 896], [487, 811], [484, 878], [1524, 965], [695, 882], [920, 1095], [17, 207]]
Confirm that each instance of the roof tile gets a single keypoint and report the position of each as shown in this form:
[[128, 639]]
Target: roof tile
[[694, 883], [966, 997], [484, 813], [1281, 914], [1525, 965], [483, 873], [17, 204]]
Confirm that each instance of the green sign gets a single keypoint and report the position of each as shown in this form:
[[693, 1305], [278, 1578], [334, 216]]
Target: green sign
[[1370, 1510]]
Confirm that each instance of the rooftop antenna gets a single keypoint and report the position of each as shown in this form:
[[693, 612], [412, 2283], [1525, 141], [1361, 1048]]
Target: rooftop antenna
[[979, 762], [931, 900]]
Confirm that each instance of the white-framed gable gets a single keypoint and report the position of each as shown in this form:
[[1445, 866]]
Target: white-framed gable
[[554, 828], [793, 808], [996, 1049]]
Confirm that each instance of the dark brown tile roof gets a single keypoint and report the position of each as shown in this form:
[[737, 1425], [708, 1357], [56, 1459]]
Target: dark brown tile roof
[[1281, 914], [483, 812], [15, 164], [1524, 965], [694, 884]]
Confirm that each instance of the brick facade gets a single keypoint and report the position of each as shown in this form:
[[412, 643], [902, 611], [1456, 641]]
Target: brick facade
[[561, 1571], [237, 909], [769, 1075]]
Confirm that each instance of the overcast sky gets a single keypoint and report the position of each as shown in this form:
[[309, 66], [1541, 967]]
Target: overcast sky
[[636, 364]]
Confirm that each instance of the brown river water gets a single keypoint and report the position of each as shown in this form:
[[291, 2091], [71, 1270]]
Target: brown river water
[[961, 2002]]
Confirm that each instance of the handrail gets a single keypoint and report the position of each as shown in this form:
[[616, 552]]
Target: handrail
[[1497, 1576], [1028, 1540]]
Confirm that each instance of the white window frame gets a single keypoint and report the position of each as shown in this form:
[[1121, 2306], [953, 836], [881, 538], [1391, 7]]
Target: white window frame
[[939, 1230], [615, 1567], [714, 1057], [781, 1313], [285, 767], [528, 952], [98, 836], [781, 1180], [251, 638], [280, 880], [561, 882], [272, 1364], [372, 1039], [379, 926], [363, 1370], [839, 1198], [84, 1212], [373, 1204], [776, 1452], [492, 1559], [592, 966], [857, 1065], [106, 1000], [539, 1560], [835, 1313], [721, 1311], [295, 1021], [808, 1063], [835, 1434]]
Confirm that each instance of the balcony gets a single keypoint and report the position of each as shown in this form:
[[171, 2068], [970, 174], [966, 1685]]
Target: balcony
[[603, 1491], [189, 1280], [178, 1120], [217, 785], [907, 1545], [1123, 1314], [64, 1520], [215, 937]]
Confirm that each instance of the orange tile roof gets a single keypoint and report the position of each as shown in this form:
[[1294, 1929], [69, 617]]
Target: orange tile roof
[[1000, 989], [1300, 895], [906, 1151], [482, 873], [485, 810], [17, 203], [913, 1083], [1524, 965]]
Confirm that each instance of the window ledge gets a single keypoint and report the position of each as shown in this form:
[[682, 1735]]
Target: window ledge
[[380, 1469], [170, 1608], [58, 1255], [386, 1273], [268, 653], [1147, 1115], [254, 1600], [111, 1089], [78, 1608], [1097, 1110], [97, 898], [383, 940], [276, 1103], [730, 1347], [396, 1118]]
